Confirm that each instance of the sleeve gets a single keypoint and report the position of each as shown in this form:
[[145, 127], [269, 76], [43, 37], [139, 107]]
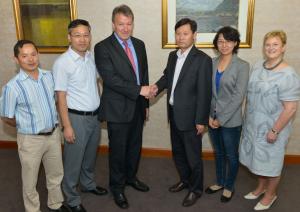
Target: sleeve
[[111, 78], [60, 77], [162, 83], [8, 102], [204, 92], [289, 88]]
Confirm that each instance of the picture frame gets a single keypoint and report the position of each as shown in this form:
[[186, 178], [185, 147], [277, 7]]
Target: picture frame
[[210, 16], [45, 22]]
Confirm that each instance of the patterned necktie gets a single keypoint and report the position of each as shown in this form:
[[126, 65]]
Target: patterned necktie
[[129, 55]]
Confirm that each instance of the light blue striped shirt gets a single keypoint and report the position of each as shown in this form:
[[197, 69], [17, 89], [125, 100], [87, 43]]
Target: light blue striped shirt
[[30, 101], [130, 45]]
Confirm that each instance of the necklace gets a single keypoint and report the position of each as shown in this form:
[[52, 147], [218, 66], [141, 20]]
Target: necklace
[[271, 68]]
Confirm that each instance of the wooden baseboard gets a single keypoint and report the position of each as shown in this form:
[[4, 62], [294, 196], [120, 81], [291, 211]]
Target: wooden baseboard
[[153, 152]]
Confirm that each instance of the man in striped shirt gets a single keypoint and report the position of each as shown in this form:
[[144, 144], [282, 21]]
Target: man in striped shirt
[[28, 103]]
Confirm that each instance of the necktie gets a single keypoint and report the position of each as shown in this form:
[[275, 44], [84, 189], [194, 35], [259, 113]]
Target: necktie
[[129, 55]]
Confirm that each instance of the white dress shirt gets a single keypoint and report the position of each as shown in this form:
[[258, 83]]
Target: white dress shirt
[[179, 63]]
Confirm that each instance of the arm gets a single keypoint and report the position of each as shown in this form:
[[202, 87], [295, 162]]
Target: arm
[[63, 112], [162, 83], [289, 110], [204, 91], [237, 97], [8, 103], [111, 78]]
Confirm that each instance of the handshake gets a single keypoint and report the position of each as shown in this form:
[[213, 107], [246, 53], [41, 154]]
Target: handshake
[[149, 91]]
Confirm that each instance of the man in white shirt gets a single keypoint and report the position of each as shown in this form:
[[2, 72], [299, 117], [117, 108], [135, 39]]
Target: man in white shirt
[[75, 77]]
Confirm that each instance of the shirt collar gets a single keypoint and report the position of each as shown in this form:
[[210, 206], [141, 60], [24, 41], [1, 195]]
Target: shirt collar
[[76, 56], [129, 41], [23, 75], [185, 53]]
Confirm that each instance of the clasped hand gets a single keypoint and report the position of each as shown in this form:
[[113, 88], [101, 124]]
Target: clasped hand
[[149, 91]]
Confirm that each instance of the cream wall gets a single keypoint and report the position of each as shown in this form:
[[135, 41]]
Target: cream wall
[[269, 15]]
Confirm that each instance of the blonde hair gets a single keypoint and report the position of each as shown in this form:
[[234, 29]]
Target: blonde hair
[[276, 33]]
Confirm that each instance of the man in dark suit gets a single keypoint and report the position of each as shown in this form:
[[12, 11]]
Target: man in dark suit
[[121, 61], [187, 77]]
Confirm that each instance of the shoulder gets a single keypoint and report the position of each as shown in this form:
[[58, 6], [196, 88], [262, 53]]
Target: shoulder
[[62, 59], [12, 84], [241, 65], [215, 59], [200, 55], [289, 75], [104, 41], [242, 62], [173, 53], [258, 65], [289, 70], [137, 41]]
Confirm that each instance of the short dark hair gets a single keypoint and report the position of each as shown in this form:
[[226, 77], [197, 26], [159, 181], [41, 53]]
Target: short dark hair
[[123, 9], [229, 33], [20, 44], [185, 21], [75, 23]]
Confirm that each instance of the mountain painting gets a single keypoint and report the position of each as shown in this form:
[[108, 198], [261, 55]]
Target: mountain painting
[[210, 15]]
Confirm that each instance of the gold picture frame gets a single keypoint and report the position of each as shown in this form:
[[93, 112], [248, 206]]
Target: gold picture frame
[[240, 15], [44, 22]]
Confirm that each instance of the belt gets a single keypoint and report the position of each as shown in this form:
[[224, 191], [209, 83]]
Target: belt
[[50, 132], [84, 113]]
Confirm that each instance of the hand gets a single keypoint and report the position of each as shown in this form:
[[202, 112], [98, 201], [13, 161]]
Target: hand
[[271, 137], [214, 123], [148, 91], [200, 129], [69, 135], [153, 90], [210, 122]]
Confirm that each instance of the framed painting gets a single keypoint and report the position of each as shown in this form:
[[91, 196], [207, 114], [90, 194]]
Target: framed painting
[[44, 22], [210, 16]]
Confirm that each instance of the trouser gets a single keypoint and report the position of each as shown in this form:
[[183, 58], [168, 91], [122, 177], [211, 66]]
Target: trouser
[[80, 157], [125, 143], [226, 143], [34, 149], [187, 155]]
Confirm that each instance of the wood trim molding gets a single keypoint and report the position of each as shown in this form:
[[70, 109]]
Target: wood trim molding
[[155, 152]]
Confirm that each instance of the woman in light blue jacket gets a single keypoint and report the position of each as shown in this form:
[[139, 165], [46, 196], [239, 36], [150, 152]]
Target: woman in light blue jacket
[[230, 78]]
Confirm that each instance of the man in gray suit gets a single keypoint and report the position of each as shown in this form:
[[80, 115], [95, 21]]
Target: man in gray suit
[[188, 80]]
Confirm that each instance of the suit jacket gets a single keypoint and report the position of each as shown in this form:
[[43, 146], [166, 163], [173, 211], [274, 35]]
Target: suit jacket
[[120, 89], [233, 85], [192, 94]]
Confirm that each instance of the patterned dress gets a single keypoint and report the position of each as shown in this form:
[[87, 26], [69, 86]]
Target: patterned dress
[[266, 91]]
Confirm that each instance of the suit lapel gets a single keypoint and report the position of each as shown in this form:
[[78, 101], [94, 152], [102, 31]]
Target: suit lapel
[[139, 53], [215, 67], [172, 67], [187, 63], [121, 51]]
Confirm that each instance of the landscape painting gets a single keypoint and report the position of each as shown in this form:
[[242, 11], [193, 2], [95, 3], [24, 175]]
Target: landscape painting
[[210, 16]]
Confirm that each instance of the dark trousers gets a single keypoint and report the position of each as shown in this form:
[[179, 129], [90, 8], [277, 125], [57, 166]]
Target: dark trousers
[[187, 155], [125, 143], [226, 144]]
